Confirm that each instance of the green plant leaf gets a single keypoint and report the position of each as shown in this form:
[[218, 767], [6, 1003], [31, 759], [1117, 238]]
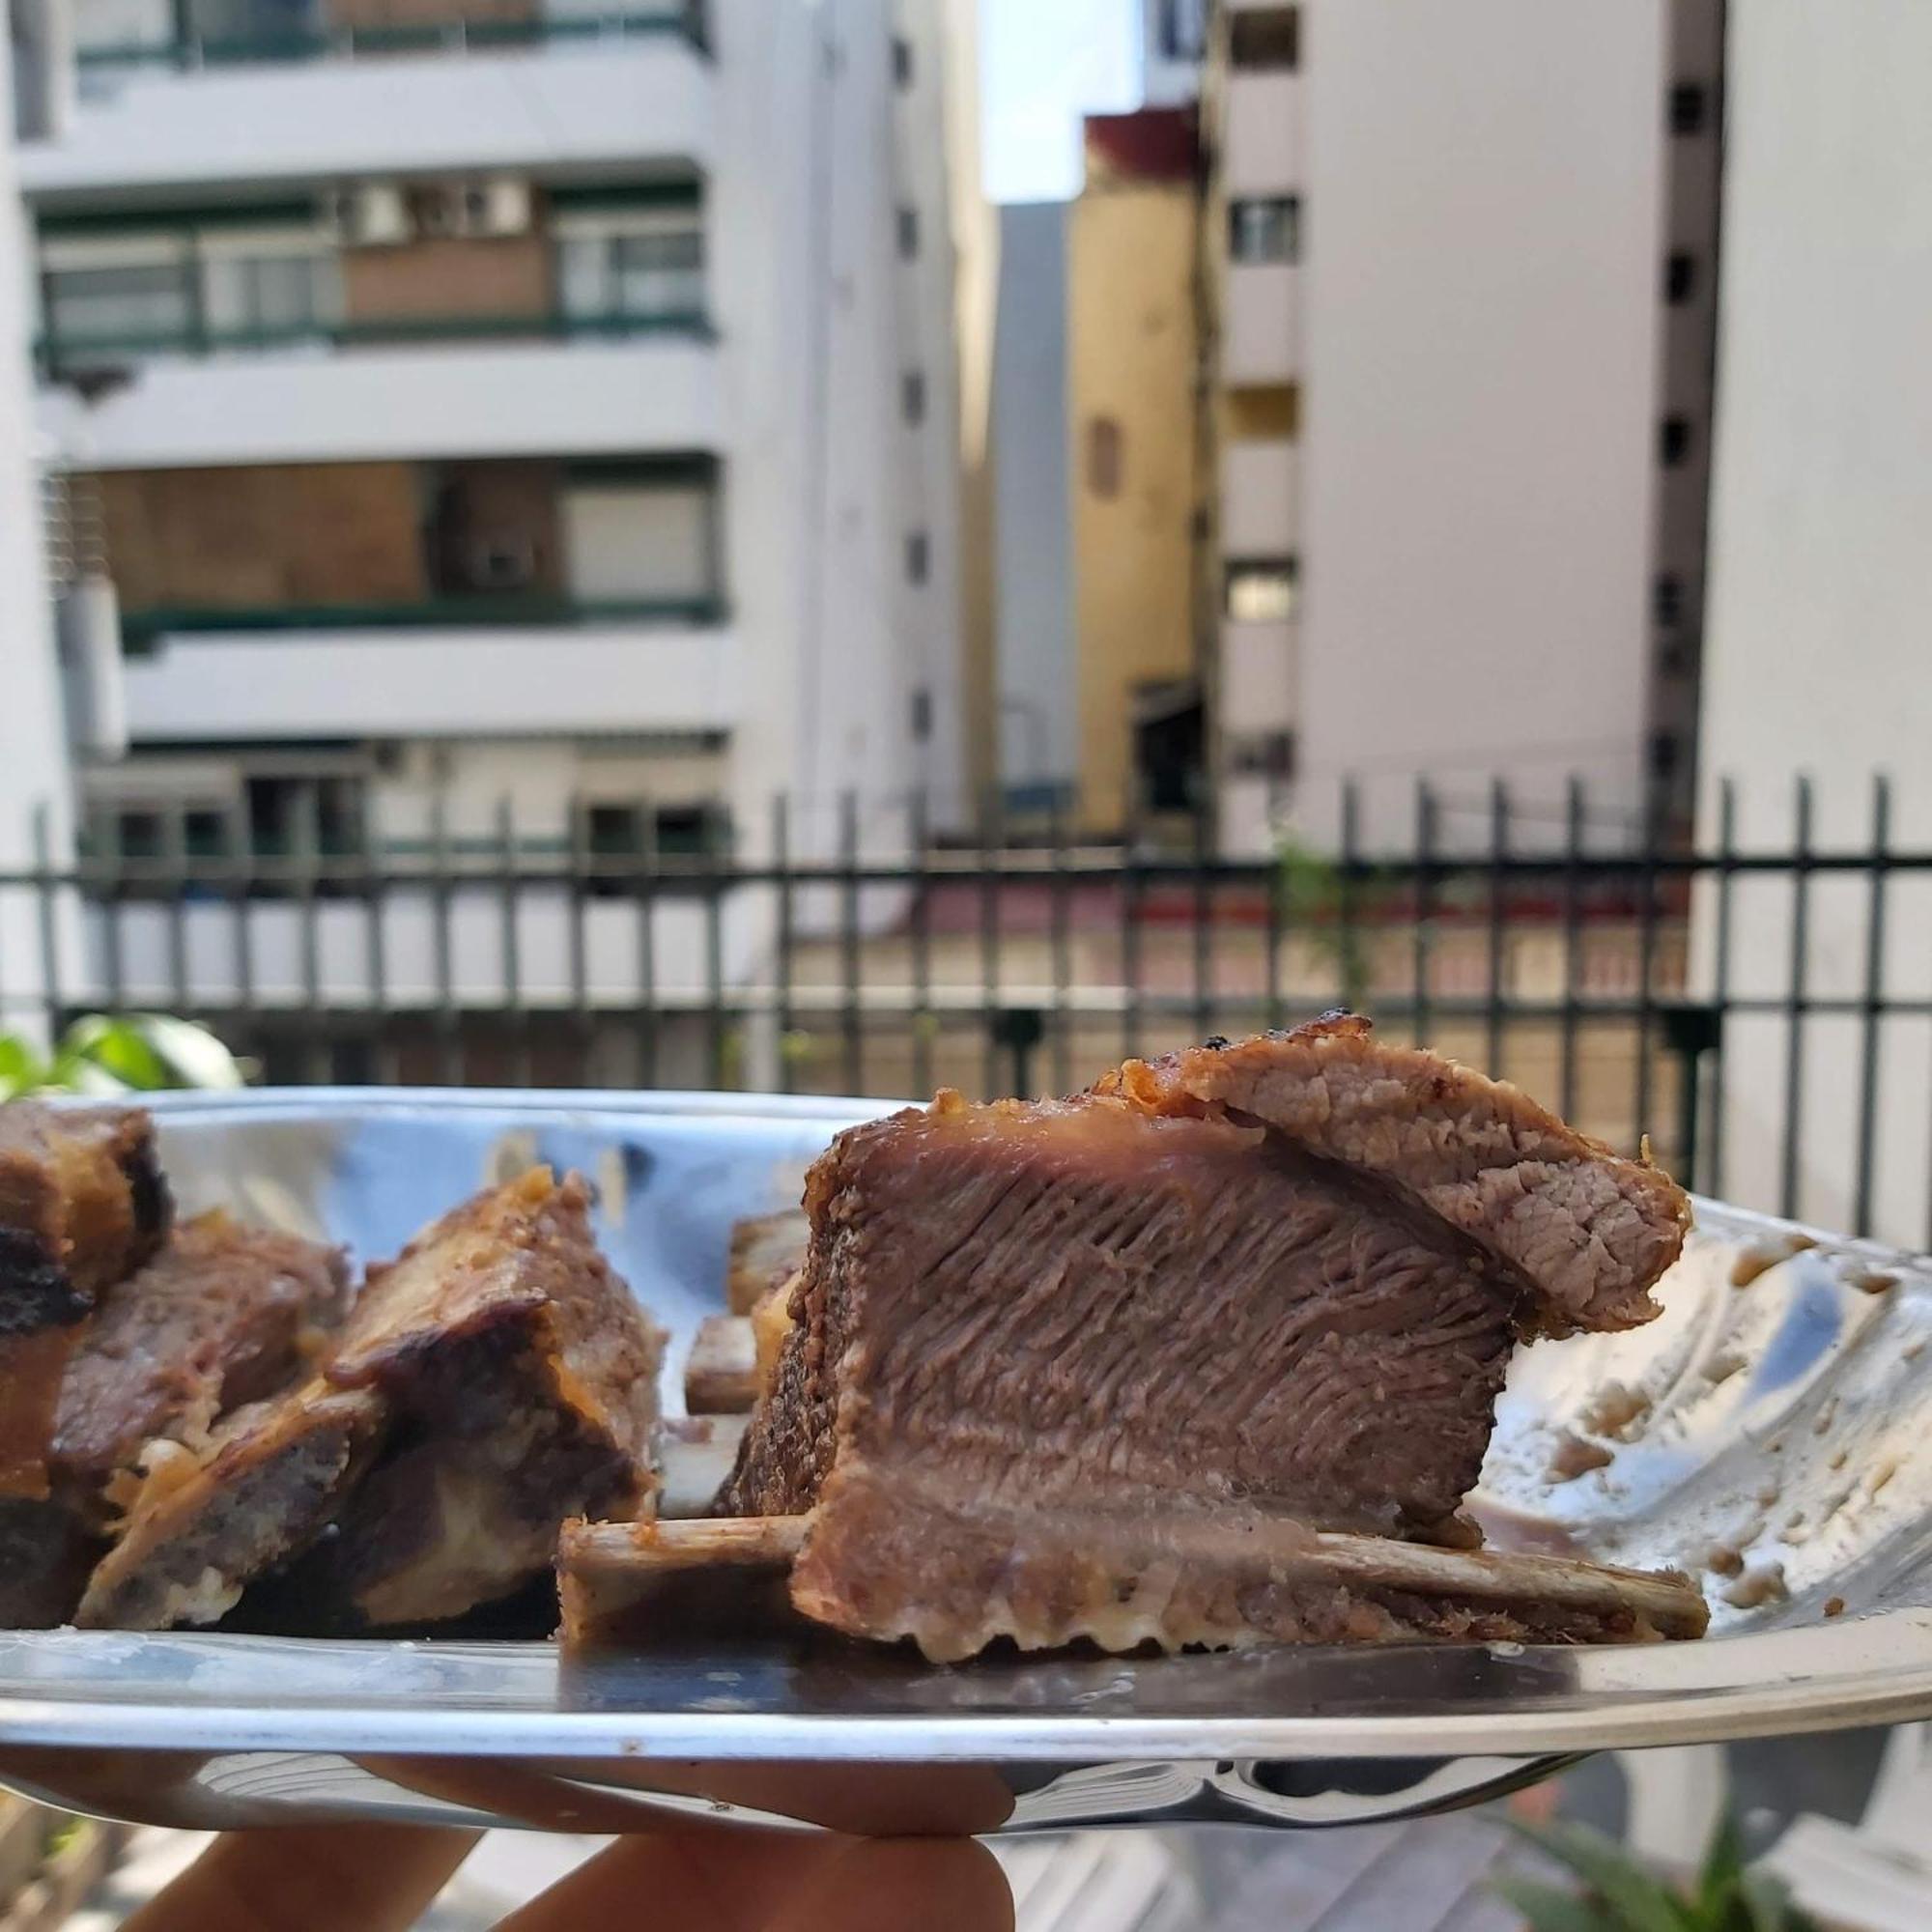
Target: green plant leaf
[[1548, 1907], [1767, 1904], [1724, 1866], [192, 1055], [21, 1067], [118, 1047], [1637, 1901]]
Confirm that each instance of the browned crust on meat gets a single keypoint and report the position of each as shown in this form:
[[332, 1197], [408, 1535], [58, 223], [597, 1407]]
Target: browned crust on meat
[[1591, 1231], [81, 1203]]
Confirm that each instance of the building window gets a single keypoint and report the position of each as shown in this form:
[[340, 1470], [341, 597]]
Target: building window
[[908, 232], [642, 533], [1666, 601], [1260, 590], [901, 60], [1180, 30], [1664, 753], [119, 308], [1690, 108], [1673, 441], [1679, 276], [1103, 457], [922, 715], [918, 557], [1264, 229], [616, 267], [1264, 36], [1262, 754], [912, 395]]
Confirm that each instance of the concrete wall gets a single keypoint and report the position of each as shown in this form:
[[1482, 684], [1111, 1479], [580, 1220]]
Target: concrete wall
[[1039, 723], [1818, 654], [1479, 323], [1132, 347], [33, 738]]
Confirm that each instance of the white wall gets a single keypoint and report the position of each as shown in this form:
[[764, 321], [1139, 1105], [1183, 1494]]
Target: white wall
[[1479, 330], [1818, 654], [33, 744]]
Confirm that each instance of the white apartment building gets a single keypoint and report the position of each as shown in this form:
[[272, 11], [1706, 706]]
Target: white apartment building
[[523, 415], [1819, 661], [1463, 263]]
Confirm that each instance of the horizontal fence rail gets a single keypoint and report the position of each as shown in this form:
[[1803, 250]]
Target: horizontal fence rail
[[1761, 1015]]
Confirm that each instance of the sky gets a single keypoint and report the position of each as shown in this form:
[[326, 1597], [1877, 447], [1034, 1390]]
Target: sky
[[1043, 64]]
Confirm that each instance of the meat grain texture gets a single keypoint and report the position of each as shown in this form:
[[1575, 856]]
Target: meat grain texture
[[1271, 1283]]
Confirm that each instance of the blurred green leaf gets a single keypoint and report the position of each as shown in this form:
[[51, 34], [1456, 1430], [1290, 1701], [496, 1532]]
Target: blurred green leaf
[[1548, 1907], [1723, 1865], [21, 1068], [103, 1056], [1638, 1901], [192, 1054], [118, 1047]]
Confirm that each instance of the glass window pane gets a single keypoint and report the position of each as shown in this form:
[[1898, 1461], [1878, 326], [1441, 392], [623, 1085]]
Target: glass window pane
[[1261, 593], [85, 303]]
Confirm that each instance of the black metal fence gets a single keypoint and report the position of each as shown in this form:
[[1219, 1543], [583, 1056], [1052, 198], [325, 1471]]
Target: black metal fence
[[1763, 1015]]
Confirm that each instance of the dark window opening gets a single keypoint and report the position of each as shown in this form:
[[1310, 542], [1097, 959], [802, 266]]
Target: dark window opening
[[1264, 754], [908, 232], [1264, 229], [922, 715], [918, 556], [901, 60], [1690, 108], [321, 817], [1667, 599], [1266, 37], [1673, 440], [1180, 30], [912, 395], [205, 833], [1664, 753], [140, 833], [1104, 462], [1679, 276]]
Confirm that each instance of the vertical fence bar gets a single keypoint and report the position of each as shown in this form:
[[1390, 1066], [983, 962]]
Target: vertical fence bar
[[1060, 944], [305, 851], [1276, 935], [448, 1037], [719, 837], [1425, 905], [240, 929], [645, 887], [1493, 1009], [1721, 990], [174, 822], [375, 948], [113, 954], [509, 881], [1646, 966], [575, 899], [1874, 1005], [1346, 888], [851, 962], [922, 951], [1573, 940], [1133, 892], [43, 886], [782, 947], [1202, 922], [989, 941], [1794, 1043]]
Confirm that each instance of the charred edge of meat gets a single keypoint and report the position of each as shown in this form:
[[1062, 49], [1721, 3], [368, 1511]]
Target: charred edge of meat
[[35, 1290], [151, 1198]]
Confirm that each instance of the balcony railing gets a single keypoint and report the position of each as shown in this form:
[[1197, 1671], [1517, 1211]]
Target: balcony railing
[[188, 52], [142, 630], [55, 353]]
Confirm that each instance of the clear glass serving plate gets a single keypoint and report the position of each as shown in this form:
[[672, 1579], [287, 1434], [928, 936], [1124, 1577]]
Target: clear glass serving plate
[[1777, 1417]]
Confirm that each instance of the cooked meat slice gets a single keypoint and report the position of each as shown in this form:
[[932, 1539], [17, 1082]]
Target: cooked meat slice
[[82, 1202], [494, 1380], [224, 1316], [1589, 1231], [1150, 1300], [764, 1248], [522, 1376], [660, 1582], [1225, 1578], [45, 1552], [721, 1374], [203, 1525]]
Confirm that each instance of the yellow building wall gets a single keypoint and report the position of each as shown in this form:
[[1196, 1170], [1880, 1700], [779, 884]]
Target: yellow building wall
[[1131, 371]]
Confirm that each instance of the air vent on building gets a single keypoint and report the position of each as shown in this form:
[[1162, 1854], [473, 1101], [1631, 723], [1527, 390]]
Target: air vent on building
[[484, 207], [371, 215]]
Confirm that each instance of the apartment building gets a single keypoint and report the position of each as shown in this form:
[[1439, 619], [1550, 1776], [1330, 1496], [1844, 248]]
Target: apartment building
[[1454, 281], [535, 410]]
